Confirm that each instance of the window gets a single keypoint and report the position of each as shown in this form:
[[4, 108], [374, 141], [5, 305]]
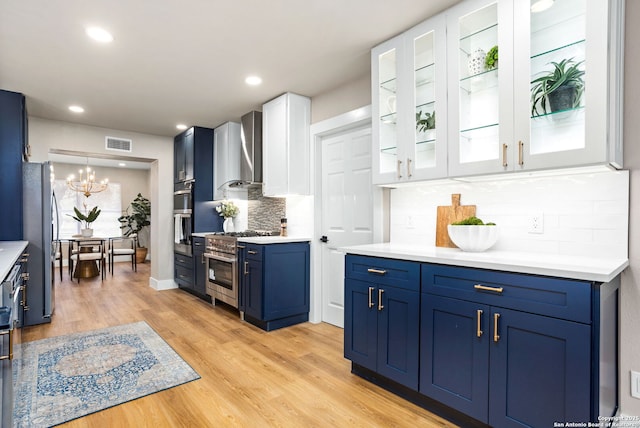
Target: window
[[109, 202]]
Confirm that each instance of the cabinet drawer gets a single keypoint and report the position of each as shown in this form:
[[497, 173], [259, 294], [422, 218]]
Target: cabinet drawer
[[555, 297], [377, 270], [184, 276], [253, 252], [198, 243], [184, 261]]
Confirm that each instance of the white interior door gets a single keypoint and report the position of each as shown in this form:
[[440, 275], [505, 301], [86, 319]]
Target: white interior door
[[347, 211]]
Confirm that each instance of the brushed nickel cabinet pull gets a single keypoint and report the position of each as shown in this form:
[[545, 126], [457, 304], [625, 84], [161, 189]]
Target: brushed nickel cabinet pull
[[252, 252], [246, 268], [380, 291], [378, 271], [504, 156], [24, 260], [485, 288], [479, 325], [520, 153], [399, 168], [370, 301], [409, 167], [496, 336]]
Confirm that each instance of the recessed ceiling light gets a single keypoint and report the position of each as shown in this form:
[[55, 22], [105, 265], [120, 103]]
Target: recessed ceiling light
[[122, 164], [541, 5], [99, 34], [76, 109], [181, 126], [253, 80]]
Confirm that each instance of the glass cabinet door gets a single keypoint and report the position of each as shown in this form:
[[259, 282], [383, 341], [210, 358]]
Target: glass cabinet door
[[479, 94], [385, 60], [426, 155]]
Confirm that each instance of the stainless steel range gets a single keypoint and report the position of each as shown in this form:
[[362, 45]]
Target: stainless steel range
[[221, 252]]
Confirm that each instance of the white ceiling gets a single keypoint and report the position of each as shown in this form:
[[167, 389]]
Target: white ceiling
[[185, 61]]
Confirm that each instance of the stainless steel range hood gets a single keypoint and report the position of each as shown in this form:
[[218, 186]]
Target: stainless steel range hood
[[251, 153]]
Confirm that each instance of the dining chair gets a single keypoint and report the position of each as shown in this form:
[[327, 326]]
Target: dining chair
[[127, 247], [96, 253]]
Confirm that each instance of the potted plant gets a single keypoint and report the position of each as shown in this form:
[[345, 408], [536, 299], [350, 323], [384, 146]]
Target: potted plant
[[426, 123], [132, 223], [228, 210], [86, 219], [561, 87], [491, 60]]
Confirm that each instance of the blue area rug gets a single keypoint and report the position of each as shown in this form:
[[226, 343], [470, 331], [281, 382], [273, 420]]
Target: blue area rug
[[63, 378]]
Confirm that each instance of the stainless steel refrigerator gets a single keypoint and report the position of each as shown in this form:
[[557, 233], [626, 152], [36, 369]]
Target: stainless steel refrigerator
[[38, 225]]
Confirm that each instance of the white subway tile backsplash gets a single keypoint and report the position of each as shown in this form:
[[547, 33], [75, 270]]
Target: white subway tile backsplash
[[584, 214]]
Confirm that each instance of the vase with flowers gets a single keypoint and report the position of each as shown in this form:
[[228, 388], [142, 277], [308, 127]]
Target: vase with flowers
[[228, 210]]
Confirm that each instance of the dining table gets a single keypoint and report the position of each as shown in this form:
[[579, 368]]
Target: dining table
[[87, 268]]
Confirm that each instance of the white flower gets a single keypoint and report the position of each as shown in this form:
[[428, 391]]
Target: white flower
[[227, 209]]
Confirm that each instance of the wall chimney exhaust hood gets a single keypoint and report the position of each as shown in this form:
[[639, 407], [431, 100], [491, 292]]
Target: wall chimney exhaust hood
[[251, 154]]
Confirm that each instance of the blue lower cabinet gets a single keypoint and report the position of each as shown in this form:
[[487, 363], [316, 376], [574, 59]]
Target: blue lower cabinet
[[538, 363], [275, 284], [382, 320], [454, 356]]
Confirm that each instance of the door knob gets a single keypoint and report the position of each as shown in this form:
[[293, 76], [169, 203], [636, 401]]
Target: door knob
[[324, 239]]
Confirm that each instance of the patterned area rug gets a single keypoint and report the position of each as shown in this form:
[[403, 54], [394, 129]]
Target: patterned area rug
[[63, 378]]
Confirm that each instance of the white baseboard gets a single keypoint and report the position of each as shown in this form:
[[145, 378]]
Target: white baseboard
[[162, 284]]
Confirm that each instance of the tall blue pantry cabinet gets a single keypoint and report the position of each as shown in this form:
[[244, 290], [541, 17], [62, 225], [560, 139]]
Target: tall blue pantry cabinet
[[13, 146], [193, 162]]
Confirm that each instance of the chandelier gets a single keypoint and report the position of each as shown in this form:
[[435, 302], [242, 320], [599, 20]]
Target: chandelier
[[87, 183]]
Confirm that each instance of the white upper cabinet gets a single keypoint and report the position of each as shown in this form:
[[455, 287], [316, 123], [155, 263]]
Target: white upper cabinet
[[226, 157], [479, 65], [498, 119], [408, 87], [286, 124]]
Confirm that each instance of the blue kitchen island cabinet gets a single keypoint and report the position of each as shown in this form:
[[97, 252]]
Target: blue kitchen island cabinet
[[514, 350], [274, 284], [382, 313]]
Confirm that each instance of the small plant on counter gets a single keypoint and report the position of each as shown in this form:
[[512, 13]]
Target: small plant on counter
[[472, 221], [491, 60], [227, 209]]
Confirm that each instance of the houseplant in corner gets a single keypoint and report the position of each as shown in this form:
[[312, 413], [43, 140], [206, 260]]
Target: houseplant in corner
[[132, 223], [86, 219], [561, 87]]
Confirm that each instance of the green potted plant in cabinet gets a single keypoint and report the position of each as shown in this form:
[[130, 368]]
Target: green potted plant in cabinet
[[132, 223], [560, 89], [425, 126]]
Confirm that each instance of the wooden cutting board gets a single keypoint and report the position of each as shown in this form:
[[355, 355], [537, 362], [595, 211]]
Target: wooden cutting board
[[450, 214]]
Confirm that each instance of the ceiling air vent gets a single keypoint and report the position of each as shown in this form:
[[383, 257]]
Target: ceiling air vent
[[118, 144]]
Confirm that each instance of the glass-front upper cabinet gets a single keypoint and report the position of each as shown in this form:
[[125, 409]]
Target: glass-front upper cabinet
[[480, 87], [409, 85], [562, 77], [532, 87]]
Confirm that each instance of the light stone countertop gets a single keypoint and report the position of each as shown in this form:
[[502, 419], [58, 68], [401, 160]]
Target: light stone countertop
[[274, 239], [10, 251], [572, 267]]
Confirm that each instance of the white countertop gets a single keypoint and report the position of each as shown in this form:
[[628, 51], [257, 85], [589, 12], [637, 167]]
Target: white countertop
[[10, 251], [274, 239], [572, 267], [203, 234]]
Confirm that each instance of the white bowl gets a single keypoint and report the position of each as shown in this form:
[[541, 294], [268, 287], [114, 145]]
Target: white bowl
[[473, 238]]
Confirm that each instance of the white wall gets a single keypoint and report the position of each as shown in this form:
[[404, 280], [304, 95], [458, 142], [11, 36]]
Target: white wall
[[584, 214], [630, 293], [48, 134], [347, 97]]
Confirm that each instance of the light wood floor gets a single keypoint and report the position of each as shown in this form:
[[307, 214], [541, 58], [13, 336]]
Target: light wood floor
[[292, 377]]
